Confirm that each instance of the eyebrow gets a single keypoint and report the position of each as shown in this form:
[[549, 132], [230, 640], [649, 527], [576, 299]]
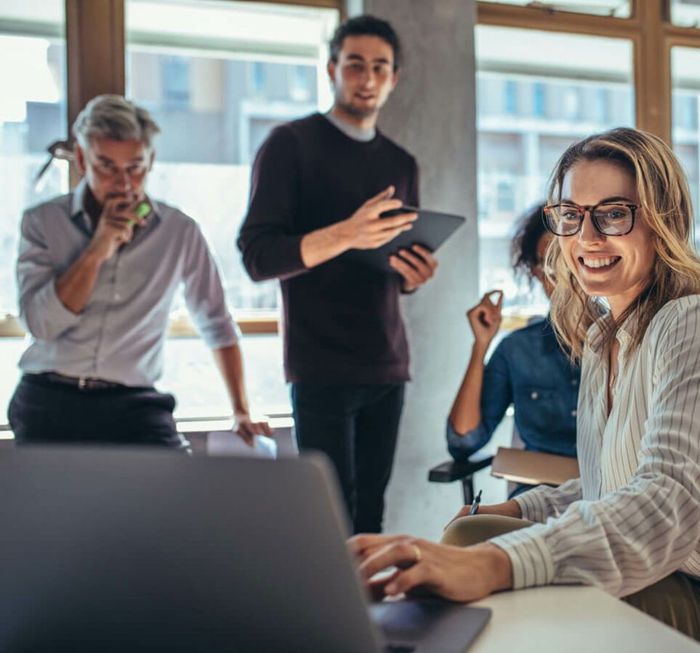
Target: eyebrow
[[606, 200], [106, 159], [359, 57]]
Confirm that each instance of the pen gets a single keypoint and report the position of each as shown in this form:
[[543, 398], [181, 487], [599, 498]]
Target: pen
[[475, 504]]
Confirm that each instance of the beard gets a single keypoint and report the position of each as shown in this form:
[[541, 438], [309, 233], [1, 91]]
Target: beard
[[354, 111]]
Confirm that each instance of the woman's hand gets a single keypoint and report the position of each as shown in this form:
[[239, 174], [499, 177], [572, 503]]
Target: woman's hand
[[509, 508], [455, 573], [485, 318]]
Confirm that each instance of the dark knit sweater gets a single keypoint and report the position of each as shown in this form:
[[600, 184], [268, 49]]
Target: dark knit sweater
[[342, 322]]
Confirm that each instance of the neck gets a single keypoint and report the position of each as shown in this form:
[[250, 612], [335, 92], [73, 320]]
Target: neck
[[361, 122]]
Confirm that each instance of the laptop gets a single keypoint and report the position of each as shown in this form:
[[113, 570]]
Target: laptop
[[430, 230], [104, 550]]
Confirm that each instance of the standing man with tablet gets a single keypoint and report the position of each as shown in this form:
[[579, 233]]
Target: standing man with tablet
[[319, 186]]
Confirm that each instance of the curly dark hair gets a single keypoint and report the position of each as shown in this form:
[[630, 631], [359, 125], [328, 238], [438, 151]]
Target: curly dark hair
[[366, 25], [529, 229]]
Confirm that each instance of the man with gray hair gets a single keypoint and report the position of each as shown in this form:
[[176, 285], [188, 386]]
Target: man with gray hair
[[97, 273]]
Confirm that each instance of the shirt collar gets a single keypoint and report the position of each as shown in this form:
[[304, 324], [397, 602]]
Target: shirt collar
[[356, 133], [598, 330]]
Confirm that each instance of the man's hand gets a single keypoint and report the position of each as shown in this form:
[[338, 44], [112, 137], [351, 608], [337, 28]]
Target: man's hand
[[115, 226], [416, 265], [365, 229], [455, 573], [247, 429]]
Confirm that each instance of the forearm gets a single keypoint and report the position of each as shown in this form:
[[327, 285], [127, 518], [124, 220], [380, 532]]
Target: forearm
[[324, 244], [74, 287], [230, 363], [465, 414]]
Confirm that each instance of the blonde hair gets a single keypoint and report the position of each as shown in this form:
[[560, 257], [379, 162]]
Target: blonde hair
[[666, 208]]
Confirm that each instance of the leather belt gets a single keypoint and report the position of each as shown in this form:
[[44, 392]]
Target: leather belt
[[80, 382]]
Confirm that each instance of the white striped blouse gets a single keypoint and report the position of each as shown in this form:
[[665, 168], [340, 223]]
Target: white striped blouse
[[634, 515]]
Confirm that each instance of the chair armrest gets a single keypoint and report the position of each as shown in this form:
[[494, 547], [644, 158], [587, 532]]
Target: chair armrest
[[451, 470]]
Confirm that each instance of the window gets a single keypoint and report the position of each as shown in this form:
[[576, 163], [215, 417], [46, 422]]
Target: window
[[617, 8], [519, 142], [32, 116], [216, 100], [685, 13], [685, 66]]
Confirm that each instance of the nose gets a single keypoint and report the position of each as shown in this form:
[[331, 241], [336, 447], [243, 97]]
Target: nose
[[122, 179], [588, 232]]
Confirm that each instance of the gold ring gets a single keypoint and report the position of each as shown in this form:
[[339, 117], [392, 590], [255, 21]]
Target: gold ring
[[418, 553]]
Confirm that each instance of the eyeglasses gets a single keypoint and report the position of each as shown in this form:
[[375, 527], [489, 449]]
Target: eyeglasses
[[609, 218], [108, 170]]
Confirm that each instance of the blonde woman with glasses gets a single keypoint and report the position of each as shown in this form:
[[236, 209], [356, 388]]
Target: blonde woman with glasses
[[627, 304]]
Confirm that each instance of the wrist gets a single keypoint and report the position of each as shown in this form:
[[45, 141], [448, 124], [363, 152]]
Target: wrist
[[500, 568], [342, 235]]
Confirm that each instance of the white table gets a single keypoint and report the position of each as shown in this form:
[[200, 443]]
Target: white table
[[569, 619]]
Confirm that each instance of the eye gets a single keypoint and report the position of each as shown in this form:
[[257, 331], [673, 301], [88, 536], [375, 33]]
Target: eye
[[568, 213], [612, 213]]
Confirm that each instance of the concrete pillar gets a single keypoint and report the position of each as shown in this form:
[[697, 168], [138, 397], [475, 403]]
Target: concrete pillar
[[432, 114]]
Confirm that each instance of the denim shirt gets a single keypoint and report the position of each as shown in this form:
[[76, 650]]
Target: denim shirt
[[529, 370]]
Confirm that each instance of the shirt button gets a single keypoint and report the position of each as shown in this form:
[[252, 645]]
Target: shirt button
[[574, 381], [573, 413], [534, 395]]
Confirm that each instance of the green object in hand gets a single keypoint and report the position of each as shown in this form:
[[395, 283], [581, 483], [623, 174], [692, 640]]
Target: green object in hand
[[143, 209]]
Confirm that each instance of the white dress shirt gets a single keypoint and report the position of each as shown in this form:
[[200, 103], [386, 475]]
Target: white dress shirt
[[120, 333], [634, 515]]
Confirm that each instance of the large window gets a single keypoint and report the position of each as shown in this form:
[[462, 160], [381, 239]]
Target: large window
[[32, 116], [218, 76], [529, 110], [686, 97]]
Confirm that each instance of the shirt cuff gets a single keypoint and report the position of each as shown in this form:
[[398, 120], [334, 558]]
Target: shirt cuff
[[47, 317], [532, 505], [223, 333], [530, 558]]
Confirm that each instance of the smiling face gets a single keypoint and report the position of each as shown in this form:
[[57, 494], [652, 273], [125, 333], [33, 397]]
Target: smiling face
[[618, 268], [362, 78]]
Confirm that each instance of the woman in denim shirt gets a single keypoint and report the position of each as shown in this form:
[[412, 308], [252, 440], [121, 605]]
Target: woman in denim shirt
[[528, 369]]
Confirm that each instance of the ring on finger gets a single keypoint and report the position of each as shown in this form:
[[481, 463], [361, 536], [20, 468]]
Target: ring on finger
[[417, 553]]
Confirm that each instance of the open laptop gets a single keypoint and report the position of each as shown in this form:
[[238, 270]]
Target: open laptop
[[109, 551]]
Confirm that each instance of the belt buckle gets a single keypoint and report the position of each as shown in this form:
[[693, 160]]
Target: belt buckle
[[82, 383]]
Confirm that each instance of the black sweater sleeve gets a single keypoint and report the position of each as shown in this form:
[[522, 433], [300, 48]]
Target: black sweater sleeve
[[270, 248]]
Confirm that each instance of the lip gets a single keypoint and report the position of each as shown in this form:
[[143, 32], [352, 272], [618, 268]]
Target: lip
[[365, 98], [598, 263]]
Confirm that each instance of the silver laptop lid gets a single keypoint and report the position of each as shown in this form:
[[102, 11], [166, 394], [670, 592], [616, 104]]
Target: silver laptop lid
[[143, 551]]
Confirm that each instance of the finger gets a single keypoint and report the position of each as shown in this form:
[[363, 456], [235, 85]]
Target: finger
[[376, 587], [396, 221], [246, 437], [397, 554], [408, 272], [383, 195], [360, 544], [377, 209], [417, 262], [498, 294], [265, 428], [426, 255], [245, 429], [407, 579]]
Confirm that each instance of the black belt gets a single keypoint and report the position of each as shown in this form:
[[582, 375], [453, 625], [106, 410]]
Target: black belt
[[80, 382]]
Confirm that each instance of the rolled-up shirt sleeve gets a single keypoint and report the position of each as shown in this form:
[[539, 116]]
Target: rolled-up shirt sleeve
[[649, 527], [41, 311], [204, 293]]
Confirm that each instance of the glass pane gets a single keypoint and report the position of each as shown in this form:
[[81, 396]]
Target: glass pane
[[218, 76], [617, 8], [685, 13], [685, 67], [32, 116], [244, 69], [531, 104]]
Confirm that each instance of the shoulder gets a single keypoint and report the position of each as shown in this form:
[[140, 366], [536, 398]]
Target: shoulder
[[397, 150], [60, 205], [678, 319], [298, 130], [177, 221], [524, 336]]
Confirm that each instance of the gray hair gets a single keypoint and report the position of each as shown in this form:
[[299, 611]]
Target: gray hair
[[116, 118]]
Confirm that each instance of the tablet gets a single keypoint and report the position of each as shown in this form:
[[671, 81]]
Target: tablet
[[430, 230]]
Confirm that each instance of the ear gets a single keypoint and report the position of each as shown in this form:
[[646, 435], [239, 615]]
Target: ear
[[151, 159], [331, 69], [394, 79], [79, 158]]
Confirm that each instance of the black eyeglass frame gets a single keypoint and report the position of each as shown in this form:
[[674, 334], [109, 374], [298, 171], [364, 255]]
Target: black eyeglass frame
[[582, 210]]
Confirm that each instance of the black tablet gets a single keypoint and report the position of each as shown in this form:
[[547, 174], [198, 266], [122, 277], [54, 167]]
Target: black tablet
[[430, 230]]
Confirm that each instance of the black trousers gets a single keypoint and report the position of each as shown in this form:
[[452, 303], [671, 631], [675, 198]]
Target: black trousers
[[356, 426], [47, 412]]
